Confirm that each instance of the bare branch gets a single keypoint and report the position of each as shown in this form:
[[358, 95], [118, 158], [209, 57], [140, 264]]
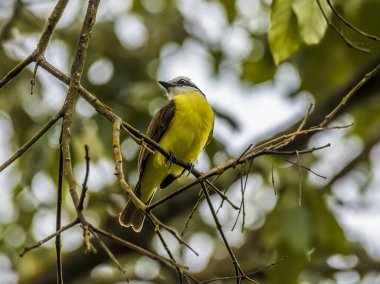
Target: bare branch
[[33, 80], [15, 71], [137, 248], [300, 165], [42, 44], [300, 181], [48, 238], [338, 32], [59, 216], [33, 140], [68, 106], [344, 100], [173, 233], [84, 184], [272, 177], [248, 274], [110, 254], [170, 254], [238, 270], [351, 26], [190, 216]]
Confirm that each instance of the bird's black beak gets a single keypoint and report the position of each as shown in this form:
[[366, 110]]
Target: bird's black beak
[[166, 85]]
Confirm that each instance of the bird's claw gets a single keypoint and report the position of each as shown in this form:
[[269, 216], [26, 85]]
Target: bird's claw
[[169, 161], [189, 168]]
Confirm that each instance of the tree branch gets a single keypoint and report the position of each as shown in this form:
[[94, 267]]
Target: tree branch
[[33, 140], [59, 216], [68, 106], [42, 44]]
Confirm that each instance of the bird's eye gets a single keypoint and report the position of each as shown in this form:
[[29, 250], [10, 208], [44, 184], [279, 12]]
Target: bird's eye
[[182, 81]]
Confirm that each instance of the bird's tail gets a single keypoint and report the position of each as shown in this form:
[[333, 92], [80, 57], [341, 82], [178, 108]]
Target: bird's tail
[[131, 216]]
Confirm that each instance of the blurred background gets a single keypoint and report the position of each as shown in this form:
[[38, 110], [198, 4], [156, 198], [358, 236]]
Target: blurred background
[[223, 47]]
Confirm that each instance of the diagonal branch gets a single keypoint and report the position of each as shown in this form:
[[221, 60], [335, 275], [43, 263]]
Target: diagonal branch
[[353, 91], [15, 71], [33, 140], [340, 33], [348, 24], [48, 238], [137, 248], [42, 44]]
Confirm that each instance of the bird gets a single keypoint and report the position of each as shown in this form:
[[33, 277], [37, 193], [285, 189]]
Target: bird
[[183, 127]]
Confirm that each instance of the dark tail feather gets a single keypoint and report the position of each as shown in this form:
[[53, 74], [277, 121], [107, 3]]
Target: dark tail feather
[[131, 216]]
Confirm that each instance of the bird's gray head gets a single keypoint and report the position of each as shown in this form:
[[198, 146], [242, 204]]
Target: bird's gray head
[[179, 85]]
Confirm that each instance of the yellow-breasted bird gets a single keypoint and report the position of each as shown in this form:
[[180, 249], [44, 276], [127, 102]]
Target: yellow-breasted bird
[[183, 127]]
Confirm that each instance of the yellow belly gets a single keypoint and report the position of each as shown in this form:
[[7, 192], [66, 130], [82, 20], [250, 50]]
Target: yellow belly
[[186, 136]]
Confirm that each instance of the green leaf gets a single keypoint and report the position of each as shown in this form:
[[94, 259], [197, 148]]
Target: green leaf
[[311, 23], [284, 39]]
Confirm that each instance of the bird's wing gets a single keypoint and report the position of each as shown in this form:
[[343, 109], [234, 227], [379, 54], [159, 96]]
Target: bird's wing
[[156, 130]]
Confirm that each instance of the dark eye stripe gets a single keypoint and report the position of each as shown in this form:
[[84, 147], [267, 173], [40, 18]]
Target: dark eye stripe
[[186, 83]]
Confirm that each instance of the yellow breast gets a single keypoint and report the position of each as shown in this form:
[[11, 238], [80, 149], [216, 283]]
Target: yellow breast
[[189, 130]]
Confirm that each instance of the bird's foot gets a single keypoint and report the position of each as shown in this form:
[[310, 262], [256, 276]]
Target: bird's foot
[[189, 168], [169, 162]]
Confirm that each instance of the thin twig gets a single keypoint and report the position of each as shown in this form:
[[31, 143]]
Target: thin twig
[[300, 181], [226, 190], [242, 199], [338, 32], [16, 70], [33, 80], [33, 140], [137, 248], [110, 255], [221, 194], [42, 44], [58, 218], [305, 118], [48, 238], [345, 99], [220, 230], [300, 165], [190, 216], [84, 184], [170, 254], [245, 187], [272, 177], [351, 26], [173, 233], [248, 274]]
